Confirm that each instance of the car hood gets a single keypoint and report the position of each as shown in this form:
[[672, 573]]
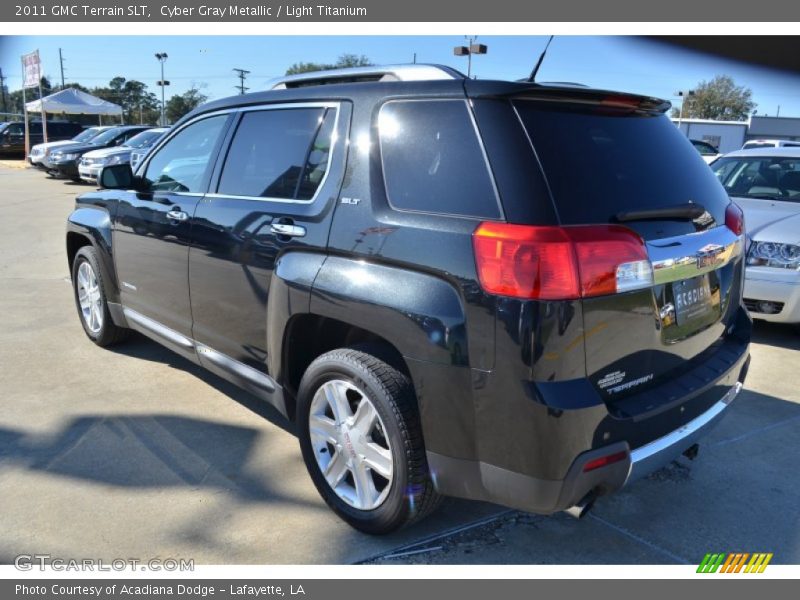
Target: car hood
[[106, 152], [771, 220], [49, 145], [80, 148]]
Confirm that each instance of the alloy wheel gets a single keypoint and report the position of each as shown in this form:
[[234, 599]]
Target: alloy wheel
[[350, 444]]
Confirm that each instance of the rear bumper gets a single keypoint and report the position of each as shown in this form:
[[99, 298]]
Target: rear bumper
[[479, 480], [659, 453]]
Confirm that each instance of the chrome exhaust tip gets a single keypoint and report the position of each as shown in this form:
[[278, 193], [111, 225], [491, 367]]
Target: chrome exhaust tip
[[582, 507]]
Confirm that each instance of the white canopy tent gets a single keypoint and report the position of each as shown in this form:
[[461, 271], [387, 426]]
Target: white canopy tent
[[70, 101], [74, 102]]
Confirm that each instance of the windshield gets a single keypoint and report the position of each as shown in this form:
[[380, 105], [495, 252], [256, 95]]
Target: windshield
[[86, 134], [4, 126], [106, 136], [704, 148], [144, 139], [769, 178]]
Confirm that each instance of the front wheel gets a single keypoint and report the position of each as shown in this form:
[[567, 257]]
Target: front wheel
[[90, 299], [362, 442]]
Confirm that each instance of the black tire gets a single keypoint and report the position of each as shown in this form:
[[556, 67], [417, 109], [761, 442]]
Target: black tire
[[109, 333], [411, 496]]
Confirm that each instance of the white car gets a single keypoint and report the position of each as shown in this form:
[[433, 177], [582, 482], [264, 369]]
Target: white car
[[92, 162], [40, 152], [765, 182], [753, 144]]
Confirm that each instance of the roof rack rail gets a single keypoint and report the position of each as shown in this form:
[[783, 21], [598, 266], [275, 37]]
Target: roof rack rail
[[408, 72]]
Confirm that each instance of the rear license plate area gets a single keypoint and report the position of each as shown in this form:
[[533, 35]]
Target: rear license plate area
[[693, 300]]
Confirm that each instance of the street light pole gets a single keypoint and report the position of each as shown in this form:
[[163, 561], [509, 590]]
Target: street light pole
[[469, 50], [162, 58], [683, 95]]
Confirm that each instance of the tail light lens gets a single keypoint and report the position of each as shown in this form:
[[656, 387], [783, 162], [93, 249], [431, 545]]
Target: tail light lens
[[604, 461], [560, 263], [734, 218]]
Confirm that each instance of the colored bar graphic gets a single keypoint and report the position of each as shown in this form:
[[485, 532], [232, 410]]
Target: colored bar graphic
[[733, 562]]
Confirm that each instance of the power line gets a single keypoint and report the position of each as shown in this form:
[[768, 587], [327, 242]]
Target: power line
[[242, 75]]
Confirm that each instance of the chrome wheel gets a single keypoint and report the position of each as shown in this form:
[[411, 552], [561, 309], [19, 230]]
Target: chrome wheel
[[90, 298], [350, 444]]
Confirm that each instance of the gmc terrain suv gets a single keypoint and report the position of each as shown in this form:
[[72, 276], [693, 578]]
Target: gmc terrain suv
[[523, 293]]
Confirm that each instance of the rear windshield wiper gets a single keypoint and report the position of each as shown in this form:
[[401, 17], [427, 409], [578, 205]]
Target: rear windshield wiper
[[688, 211]]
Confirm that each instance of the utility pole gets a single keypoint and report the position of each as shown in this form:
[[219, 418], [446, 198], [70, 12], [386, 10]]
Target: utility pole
[[162, 57], [3, 90], [242, 75], [61, 60]]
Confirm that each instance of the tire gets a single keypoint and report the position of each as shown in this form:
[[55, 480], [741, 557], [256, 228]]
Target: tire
[[407, 494], [96, 320]]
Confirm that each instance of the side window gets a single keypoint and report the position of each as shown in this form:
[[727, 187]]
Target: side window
[[433, 161], [280, 153], [180, 164]]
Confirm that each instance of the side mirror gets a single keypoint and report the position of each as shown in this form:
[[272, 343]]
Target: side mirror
[[116, 177]]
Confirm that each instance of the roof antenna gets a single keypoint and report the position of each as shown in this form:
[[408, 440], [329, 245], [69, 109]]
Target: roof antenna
[[532, 78]]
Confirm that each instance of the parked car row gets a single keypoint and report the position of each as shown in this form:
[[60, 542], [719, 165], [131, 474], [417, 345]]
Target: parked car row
[[82, 157]]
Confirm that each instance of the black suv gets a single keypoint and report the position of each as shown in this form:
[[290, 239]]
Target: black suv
[[12, 135], [523, 293]]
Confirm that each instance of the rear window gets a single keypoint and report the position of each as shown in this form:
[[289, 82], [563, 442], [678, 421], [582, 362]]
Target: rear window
[[600, 164], [433, 161]]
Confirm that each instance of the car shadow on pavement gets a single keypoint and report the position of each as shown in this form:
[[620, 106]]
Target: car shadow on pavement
[[145, 451], [780, 335], [143, 348]]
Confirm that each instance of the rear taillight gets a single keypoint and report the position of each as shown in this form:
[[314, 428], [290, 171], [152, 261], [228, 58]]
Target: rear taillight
[[560, 263], [734, 218], [604, 461]]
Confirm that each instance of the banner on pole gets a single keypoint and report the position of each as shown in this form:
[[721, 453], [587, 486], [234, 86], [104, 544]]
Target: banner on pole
[[31, 69]]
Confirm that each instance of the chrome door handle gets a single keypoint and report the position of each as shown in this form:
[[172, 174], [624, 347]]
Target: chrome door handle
[[177, 215], [287, 229]]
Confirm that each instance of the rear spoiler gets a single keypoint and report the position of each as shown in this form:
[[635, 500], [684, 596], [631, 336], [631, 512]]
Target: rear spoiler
[[566, 93]]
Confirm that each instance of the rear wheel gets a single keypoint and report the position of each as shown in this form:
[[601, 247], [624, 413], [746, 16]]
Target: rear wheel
[[90, 299], [362, 443]]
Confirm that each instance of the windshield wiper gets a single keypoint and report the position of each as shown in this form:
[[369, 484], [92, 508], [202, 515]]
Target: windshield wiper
[[688, 211]]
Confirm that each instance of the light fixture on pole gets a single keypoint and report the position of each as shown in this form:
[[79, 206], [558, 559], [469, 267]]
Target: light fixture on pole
[[162, 58], [683, 95], [469, 50]]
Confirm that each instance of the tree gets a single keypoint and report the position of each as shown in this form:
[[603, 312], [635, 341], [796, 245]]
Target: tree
[[720, 99], [181, 104], [345, 61], [138, 104]]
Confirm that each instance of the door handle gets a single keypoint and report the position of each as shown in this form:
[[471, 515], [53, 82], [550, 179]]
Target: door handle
[[176, 214], [288, 229]]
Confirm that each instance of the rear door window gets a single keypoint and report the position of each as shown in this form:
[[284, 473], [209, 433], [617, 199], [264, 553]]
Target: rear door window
[[433, 160], [279, 153]]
